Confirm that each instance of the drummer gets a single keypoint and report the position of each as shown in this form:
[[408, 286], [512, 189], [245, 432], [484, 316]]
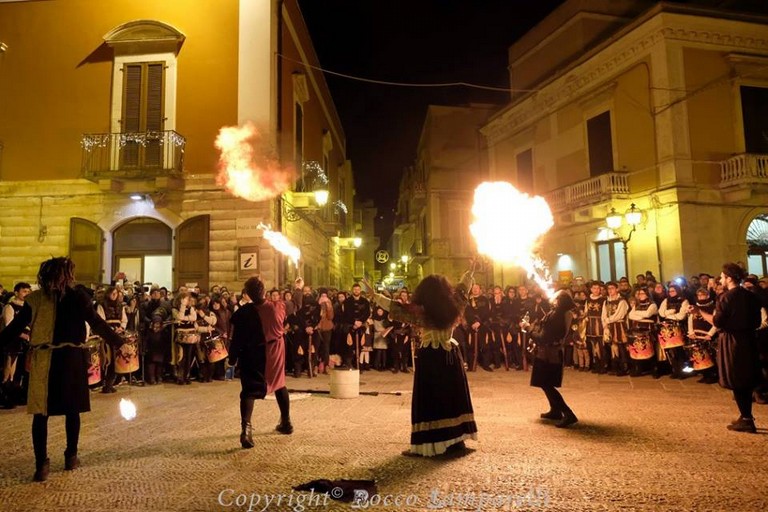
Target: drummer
[[112, 310], [673, 312], [184, 319], [642, 319], [701, 331], [206, 320]]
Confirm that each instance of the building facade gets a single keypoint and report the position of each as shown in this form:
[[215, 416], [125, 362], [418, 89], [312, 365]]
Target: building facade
[[108, 119], [433, 214], [658, 109]]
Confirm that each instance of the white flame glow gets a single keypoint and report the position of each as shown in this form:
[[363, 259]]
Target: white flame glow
[[247, 167], [281, 243], [508, 225], [127, 409]]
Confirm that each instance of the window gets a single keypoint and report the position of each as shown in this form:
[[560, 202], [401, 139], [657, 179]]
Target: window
[[142, 113], [600, 144], [611, 264], [525, 171], [754, 109], [458, 230]]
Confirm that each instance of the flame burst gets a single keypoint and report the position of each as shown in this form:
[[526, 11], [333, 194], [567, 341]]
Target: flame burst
[[280, 243], [247, 168], [127, 409], [508, 225]]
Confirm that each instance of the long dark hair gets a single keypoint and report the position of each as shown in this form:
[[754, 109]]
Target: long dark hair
[[56, 275], [438, 299]]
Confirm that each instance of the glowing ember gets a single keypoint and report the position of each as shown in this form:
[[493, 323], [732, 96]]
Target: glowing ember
[[508, 225], [127, 409], [281, 244], [247, 168]]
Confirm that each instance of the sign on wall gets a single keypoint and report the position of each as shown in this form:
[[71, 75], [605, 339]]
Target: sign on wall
[[248, 262], [248, 228]]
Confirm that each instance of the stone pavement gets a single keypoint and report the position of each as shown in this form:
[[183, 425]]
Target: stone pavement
[[641, 444]]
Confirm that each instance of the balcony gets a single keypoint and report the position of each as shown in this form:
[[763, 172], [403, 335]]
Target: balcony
[[587, 192], [134, 155], [744, 169]]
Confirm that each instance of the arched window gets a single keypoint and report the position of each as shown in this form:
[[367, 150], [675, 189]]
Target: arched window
[[757, 245]]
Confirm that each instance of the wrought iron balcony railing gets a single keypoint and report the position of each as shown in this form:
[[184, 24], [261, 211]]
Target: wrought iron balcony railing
[[590, 191], [135, 155], [744, 169]]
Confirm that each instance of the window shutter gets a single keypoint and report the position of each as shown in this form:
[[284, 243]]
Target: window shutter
[[85, 247], [132, 98], [192, 252], [154, 97]]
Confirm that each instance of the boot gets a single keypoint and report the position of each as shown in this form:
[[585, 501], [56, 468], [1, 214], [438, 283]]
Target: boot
[[551, 415], [42, 470], [71, 462], [743, 425], [246, 435], [568, 419], [285, 427]]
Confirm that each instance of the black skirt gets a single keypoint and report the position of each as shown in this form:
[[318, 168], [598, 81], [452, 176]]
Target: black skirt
[[548, 372], [441, 411], [68, 382]]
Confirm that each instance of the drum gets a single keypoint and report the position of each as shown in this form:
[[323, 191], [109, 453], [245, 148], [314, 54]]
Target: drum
[[93, 349], [641, 345], [187, 336], [700, 355], [215, 349], [127, 356], [670, 335]]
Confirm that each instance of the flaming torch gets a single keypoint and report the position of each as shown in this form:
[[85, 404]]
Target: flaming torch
[[247, 168], [508, 225], [281, 243]]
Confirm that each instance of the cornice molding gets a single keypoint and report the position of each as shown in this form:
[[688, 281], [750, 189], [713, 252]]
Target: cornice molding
[[604, 66]]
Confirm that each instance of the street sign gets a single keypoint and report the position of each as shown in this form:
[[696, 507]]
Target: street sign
[[382, 256]]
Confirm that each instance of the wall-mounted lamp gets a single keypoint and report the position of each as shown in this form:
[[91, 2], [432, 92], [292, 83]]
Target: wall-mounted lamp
[[3, 47], [138, 197], [321, 197]]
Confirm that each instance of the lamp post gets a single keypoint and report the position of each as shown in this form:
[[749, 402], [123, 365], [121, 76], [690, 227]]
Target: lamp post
[[632, 217]]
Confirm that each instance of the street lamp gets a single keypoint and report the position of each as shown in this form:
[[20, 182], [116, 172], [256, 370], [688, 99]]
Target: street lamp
[[632, 217]]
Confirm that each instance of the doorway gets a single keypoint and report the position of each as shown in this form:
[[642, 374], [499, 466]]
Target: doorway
[[142, 250]]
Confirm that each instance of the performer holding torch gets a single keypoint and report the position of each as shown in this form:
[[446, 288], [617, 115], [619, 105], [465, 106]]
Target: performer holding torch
[[58, 379]]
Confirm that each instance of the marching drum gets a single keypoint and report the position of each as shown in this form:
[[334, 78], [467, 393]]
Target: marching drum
[[127, 356], [641, 345], [670, 335], [93, 351], [215, 349], [187, 336], [699, 352]]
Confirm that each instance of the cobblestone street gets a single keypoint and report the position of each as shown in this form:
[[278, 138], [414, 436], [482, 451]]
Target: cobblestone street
[[641, 444]]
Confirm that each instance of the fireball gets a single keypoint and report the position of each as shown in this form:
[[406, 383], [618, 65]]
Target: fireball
[[127, 409], [281, 244], [247, 168], [508, 225]]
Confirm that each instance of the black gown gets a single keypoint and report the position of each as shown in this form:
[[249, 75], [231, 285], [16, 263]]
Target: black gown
[[548, 336], [250, 349]]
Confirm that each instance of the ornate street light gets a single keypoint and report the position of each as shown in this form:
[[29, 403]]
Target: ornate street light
[[633, 216]]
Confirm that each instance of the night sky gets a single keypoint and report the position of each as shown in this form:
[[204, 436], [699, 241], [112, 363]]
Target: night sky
[[422, 41]]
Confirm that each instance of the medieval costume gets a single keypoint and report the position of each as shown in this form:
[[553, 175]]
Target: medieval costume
[[737, 315], [672, 314], [549, 334], [112, 310], [478, 318], [441, 411], [357, 310], [308, 318], [57, 314], [401, 347], [614, 318], [497, 342], [593, 310], [703, 335], [382, 327], [642, 319], [185, 337], [260, 359]]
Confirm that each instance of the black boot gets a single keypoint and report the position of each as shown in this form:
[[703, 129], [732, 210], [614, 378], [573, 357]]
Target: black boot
[[71, 462], [41, 471], [551, 415], [246, 435], [568, 419], [285, 427]]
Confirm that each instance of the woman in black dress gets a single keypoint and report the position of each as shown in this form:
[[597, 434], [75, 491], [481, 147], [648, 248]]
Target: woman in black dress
[[58, 379], [548, 334], [441, 410]]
